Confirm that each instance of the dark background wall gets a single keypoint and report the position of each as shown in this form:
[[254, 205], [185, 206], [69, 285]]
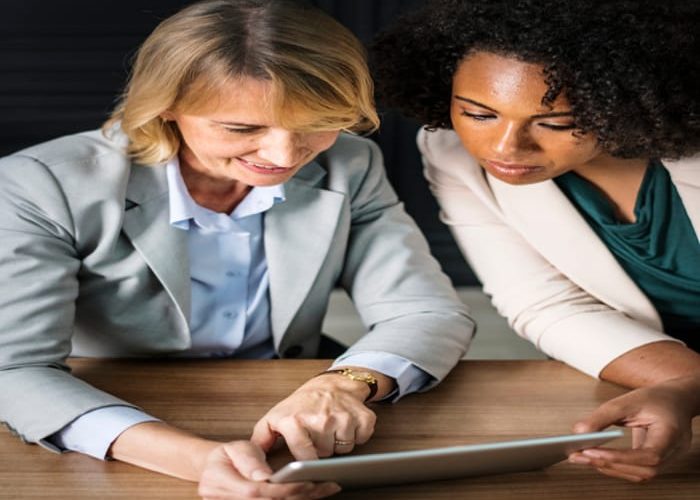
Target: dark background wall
[[63, 62]]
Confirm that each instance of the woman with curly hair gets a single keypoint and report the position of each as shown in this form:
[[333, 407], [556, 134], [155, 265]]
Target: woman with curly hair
[[561, 142]]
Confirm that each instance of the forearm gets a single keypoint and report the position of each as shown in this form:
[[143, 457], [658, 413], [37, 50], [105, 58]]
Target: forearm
[[651, 364], [159, 447]]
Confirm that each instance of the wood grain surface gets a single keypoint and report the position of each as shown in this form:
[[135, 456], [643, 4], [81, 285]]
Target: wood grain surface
[[222, 399]]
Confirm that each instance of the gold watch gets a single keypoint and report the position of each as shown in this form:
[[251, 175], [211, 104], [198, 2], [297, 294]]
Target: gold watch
[[358, 376]]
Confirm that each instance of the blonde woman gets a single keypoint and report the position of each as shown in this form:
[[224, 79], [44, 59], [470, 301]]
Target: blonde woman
[[211, 217]]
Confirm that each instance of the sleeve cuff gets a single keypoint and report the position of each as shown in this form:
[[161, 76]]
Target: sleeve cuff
[[94, 432]]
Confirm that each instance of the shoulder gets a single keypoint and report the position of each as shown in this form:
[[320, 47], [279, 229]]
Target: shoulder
[[75, 170], [85, 148], [350, 152], [689, 166], [685, 175], [431, 142], [443, 150], [350, 163], [87, 158], [448, 165]]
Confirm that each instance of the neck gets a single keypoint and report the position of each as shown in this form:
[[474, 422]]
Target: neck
[[618, 179], [218, 195]]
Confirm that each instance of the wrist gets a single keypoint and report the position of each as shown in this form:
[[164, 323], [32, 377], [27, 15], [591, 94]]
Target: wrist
[[690, 385], [161, 448], [368, 385], [363, 377], [198, 455], [336, 382]]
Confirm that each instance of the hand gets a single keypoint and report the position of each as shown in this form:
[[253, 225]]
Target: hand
[[223, 470], [238, 470], [661, 420], [324, 416]]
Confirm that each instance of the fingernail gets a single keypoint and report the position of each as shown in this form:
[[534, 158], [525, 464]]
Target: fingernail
[[592, 454], [259, 475]]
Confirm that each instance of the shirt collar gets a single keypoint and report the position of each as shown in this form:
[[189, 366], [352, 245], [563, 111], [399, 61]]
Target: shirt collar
[[183, 208]]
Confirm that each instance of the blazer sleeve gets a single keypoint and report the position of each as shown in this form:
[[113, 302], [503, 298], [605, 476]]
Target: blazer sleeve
[[408, 305], [540, 303], [38, 289]]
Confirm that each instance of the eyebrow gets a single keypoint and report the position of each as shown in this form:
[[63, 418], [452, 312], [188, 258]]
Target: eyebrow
[[541, 115]]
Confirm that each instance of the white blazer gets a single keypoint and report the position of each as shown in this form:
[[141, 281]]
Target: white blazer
[[546, 270]]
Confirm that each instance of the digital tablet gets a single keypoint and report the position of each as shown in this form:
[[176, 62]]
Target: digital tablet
[[441, 463]]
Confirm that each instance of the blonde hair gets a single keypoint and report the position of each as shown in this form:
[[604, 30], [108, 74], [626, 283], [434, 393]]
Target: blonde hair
[[317, 69]]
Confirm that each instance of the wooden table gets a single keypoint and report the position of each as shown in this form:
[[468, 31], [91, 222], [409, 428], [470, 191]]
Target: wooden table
[[480, 401]]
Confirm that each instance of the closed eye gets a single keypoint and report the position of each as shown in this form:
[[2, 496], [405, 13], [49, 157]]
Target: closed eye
[[244, 130], [552, 126], [477, 116]]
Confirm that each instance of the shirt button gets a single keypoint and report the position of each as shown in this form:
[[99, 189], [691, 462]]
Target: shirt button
[[229, 315], [230, 274]]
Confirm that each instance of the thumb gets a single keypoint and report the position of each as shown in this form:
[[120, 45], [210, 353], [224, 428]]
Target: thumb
[[249, 460], [604, 416], [264, 436]]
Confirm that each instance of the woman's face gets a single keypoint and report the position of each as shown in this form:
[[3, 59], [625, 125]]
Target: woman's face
[[236, 139], [498, 114]]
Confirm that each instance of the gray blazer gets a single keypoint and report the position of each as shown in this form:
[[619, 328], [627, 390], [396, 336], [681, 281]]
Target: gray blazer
[[90, 266]]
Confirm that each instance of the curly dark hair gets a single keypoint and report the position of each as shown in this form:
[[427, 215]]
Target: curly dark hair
[[629, 68]]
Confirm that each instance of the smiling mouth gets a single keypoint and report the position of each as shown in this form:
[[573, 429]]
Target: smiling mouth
[[262, 167]]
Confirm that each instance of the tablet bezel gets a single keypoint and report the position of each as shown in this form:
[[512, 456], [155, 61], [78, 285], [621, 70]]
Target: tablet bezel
[[451, 462]]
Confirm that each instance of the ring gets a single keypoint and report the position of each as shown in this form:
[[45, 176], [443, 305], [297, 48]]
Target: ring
[[338, 442]]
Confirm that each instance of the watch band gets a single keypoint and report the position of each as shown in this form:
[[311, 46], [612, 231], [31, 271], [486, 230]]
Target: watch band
[[358, 376]]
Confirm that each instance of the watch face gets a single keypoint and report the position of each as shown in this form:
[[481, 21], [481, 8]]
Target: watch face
[[365, 377], [360, 376]]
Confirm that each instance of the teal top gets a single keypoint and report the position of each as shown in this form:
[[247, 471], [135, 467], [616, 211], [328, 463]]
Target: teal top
[[659, 251]]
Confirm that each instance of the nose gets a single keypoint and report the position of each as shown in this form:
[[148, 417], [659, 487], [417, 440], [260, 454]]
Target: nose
[[512, 138], [281, 147]]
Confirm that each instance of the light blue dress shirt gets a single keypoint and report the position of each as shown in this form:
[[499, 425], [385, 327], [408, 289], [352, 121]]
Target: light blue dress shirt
[[230, 306], [228, 270]]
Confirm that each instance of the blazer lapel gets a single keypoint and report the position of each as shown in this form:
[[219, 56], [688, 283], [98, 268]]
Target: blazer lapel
[[546, 218], [298, 235], [685, 175], [163, 247]]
